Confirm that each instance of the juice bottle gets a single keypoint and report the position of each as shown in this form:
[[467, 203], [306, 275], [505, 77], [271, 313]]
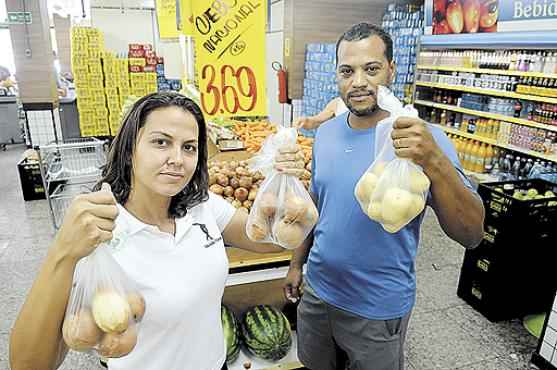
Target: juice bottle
[[480, 159], [489, 155], [466, 150], [474, 156]]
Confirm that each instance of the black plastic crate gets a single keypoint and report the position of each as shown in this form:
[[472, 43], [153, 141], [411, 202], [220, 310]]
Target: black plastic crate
[[31, 180], [503, 284], [507, 214]]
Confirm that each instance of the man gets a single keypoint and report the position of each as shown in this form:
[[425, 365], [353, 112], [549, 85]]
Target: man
[[361, 281]]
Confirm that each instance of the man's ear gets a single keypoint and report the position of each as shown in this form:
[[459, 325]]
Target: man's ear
[[392, 75]]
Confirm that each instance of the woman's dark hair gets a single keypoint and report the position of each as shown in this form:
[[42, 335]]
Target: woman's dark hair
[[118, 169]]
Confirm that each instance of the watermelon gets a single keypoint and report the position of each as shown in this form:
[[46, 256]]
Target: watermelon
[[266, 332], [231, 333]]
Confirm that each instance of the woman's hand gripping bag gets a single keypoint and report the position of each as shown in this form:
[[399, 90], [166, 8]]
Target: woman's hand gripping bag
[[283, 212], [393, 191], [105, 308]]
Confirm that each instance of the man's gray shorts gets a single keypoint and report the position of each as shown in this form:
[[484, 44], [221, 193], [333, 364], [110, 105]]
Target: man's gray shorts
[[369, 344]]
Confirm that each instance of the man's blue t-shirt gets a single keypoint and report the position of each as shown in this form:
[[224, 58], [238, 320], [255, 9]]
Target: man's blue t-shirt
[[354, 264]]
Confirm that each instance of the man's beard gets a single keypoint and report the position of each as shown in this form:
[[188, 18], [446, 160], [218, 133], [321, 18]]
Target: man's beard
[[362, 112]]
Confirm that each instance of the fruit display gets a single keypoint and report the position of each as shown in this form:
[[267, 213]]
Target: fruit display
[[234, 182], [231, 331], [253, 134], [465, 16], [530, 194], [266, 332], [394, 204], [109, 325]]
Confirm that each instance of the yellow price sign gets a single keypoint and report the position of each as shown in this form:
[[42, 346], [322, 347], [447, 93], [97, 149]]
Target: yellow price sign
[[230, 56], [166, 18]]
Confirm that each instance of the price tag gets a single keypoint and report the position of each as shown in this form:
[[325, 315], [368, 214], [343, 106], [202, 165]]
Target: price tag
[[230, 56], [229, 91]]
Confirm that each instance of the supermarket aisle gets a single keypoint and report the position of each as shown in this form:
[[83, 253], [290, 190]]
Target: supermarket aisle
[[445, 333]]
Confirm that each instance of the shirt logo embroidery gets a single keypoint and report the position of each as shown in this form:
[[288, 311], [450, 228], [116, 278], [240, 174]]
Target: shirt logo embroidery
[[211, 241]]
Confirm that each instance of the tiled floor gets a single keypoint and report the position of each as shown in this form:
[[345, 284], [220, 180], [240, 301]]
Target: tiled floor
[[445, 333]]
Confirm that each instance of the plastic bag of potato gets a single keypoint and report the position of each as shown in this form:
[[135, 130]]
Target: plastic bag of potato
[[283, 212], [105, 308], [393, 191]]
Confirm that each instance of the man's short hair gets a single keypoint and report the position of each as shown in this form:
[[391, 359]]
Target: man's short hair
[[364, 30]]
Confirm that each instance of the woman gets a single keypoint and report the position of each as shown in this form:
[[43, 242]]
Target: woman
[[154, 193]]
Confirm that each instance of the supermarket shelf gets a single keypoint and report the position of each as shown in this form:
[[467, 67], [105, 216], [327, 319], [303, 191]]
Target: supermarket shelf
[[480, 177], [488, 71], [552, 158], [475, 90], [499, 117]]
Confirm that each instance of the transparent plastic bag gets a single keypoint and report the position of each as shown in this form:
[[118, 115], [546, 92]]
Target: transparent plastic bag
[[105, 308], [392, 191], [283, 212]]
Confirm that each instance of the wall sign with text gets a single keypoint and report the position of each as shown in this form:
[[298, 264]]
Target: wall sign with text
[[473, 16], [230, 56]]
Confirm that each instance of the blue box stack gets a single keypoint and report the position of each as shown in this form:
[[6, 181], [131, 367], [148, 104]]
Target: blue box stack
[[320, 85], [405, 25], [165, 84]]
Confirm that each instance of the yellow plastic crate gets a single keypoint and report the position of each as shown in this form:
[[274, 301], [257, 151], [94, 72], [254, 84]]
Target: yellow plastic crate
[[111, 91], [138, 85], [110, 83], [95, 69], [151, 77], [96, 84], [99, 100]]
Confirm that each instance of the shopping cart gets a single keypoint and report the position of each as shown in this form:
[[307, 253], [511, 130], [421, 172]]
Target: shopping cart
[[69, 169]]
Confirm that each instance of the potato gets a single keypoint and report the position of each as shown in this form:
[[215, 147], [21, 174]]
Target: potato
[[222, 180], [419, 182], [246, 182], [114, 345], [217, 189], [212, 179], [247, 204], [374, 211], [311, 215], [378, 168], [252, 194], [241, 194], [416, 207], [228, 191], [241, 171], [306, 175], [268, 204], [233, 164], [111, 311], [308, 166], [258, 229], [80, 332], [228, 173], [234, 182], [236, 203], [396, 204], [294, 208], [258, 176], [288, 235], [137, 305], [230, 199], [365, 187]]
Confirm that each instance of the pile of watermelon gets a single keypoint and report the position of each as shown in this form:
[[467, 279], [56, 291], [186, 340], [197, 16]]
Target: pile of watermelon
[[265, 332], [231, 333]]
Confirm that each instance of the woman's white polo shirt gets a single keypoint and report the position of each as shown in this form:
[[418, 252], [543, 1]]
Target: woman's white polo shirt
[[182, 278]]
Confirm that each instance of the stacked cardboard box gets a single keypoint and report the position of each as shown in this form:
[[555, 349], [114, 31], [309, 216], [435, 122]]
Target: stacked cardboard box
[[87, 48], [143, 64]]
